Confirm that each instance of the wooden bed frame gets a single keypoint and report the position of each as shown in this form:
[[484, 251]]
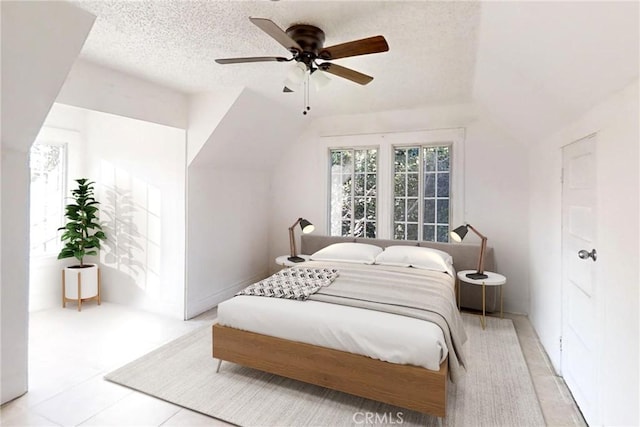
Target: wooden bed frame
[[406, 386]]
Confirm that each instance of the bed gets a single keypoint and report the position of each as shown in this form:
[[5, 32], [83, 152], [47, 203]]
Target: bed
[[319, 342]]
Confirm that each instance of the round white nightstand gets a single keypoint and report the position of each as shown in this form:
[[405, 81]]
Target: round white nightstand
[[493, 279], [284, 260]]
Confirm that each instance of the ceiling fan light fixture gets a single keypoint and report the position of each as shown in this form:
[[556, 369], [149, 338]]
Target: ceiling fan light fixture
[[306, 45], [297, 73], [295, 77], [319, 79]]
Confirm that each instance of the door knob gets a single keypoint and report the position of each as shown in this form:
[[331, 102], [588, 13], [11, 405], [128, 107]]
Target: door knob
[[585, 254]]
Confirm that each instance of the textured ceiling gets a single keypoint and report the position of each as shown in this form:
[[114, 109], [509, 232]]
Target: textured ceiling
[[431, 60]]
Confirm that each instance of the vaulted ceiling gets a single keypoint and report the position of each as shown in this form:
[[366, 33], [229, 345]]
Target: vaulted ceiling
[[431, 57], [521, 60]]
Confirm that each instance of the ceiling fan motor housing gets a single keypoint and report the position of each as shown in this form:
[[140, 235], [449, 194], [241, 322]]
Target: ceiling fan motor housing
[[310, 39], [306, 45]]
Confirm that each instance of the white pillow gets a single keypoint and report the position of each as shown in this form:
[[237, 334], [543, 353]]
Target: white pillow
[[417, 257], [360, 253]]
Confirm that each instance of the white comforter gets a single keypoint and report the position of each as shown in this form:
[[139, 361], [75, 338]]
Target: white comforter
[[384, 336]]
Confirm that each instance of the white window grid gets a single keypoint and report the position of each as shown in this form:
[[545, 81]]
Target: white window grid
[[358, 167], [413, 206], [47, 193]]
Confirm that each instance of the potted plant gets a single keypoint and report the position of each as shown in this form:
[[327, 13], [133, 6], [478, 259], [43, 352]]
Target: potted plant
[[81, 236]]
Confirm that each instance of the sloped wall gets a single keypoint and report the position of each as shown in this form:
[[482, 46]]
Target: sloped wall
[[535, 78], [206, 111], [98, 88], [37, 54], [228, 195]]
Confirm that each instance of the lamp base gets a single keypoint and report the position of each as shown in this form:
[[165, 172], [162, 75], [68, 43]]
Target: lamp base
[[295, 259], [477, 276]]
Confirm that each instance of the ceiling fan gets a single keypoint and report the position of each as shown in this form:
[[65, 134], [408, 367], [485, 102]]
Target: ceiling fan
[[305, 43]]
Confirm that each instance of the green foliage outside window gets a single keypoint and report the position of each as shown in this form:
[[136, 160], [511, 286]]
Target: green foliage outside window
[[422, 193], [353, 197]]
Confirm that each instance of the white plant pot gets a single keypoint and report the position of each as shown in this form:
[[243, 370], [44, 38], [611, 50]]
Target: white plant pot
[[80, 284]]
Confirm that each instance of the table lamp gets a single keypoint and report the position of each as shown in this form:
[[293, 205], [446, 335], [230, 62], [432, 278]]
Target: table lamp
[[458, 234], [307, 228]]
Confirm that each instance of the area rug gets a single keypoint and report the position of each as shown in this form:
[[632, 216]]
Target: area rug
[[496, 391]]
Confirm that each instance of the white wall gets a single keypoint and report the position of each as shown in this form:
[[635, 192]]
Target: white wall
[[495, 183], [615, 121], [66, 125], [140, 170], [540, 64], [148, 144], [228, 231], [228, 191], [31, 42], [15, 278]]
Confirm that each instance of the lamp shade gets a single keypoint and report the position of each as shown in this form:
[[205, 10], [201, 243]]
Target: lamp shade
[[319, 79], [296, 76], [306, 226], [458, 233]]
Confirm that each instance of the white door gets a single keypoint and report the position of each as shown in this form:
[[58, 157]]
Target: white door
[[580, 339]]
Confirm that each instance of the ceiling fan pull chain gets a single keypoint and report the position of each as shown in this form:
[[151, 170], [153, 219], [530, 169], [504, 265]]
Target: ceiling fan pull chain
[[308, 99], [306, 96]]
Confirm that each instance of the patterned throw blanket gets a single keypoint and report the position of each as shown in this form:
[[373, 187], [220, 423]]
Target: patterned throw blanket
[[292, 283]]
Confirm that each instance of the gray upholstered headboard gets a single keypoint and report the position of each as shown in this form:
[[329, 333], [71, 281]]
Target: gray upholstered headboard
[[465, 256]]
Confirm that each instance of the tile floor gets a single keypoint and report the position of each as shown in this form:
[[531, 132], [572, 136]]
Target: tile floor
[[70, 352], [558, 406]]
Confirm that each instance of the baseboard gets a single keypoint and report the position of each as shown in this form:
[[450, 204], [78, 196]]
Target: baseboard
[[210, 301]]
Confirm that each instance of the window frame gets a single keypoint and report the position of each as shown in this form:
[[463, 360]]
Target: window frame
[[64, 189], [73, 164], [329, 163], [421, 189], [385, 143]]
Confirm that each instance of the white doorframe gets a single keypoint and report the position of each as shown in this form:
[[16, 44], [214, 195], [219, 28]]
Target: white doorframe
[[581, 349]]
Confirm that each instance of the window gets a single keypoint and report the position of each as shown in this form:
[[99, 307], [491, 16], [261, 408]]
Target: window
[[48, 178], [421, 192], [353, 192]]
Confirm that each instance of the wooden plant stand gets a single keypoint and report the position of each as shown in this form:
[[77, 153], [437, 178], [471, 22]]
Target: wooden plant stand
[[79, 300]]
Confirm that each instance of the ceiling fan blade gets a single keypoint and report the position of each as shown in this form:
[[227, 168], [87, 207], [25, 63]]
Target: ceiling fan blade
[[269, 27], [375, 44], [251, 59], [346, 73]]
